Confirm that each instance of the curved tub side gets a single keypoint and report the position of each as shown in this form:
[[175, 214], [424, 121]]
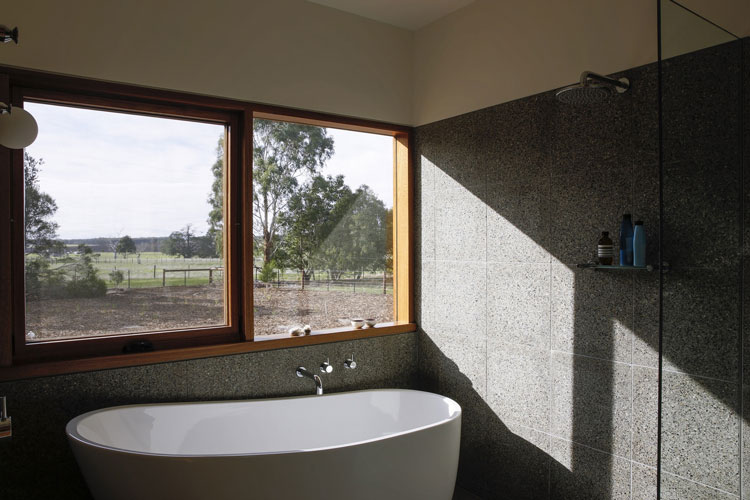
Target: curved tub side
[[343, 419], [422, 464]]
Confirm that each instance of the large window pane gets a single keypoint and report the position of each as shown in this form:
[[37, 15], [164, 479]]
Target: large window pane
[[123, 222], [322, 227]]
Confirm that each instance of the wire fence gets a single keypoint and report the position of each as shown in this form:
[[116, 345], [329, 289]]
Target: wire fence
[[357, 281], [210, 272]]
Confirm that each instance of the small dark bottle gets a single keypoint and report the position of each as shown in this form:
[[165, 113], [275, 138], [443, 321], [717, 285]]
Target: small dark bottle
[[626, 240], [605, 250]]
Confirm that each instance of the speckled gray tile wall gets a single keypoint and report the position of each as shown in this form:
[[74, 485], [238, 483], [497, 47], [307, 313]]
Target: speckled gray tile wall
[[37, 462], [522, 190], [552, 365], [703, 242]]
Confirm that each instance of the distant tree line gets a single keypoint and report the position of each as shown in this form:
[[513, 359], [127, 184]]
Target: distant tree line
[[144, 244], [186, 243]]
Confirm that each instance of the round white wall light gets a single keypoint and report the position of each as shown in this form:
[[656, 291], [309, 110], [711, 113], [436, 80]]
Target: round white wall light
[[18, 128]]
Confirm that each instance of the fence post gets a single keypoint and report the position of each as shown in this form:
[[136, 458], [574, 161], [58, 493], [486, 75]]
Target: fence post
[[154, 271], [185, 276], [278, 278], [383, 281], [210, 276], [128, 278], [163, 277]]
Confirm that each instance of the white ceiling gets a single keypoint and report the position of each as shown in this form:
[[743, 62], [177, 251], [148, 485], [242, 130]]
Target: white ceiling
[[409, 14]]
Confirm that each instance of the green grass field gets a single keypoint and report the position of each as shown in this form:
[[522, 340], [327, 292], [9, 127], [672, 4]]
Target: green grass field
[[146, 271]]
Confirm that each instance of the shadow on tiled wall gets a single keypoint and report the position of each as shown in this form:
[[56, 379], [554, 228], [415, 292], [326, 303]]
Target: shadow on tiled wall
[[557, 367]]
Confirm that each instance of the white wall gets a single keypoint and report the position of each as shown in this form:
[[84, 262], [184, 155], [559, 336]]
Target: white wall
[[286, 52], [732, 15], [296, 53], [684, 32], [496, 51]]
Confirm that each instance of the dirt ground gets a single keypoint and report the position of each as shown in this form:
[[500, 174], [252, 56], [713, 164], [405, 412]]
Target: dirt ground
[[149, 309], [277, 310]]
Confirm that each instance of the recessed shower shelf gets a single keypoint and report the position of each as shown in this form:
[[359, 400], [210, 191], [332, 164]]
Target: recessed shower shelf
[[600, 267]]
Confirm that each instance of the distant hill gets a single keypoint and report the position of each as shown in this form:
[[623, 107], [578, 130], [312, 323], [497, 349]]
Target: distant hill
[[152, 244]]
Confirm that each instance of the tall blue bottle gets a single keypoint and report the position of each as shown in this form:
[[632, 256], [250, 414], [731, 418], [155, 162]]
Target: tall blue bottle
[[626, 241], [639, 244]]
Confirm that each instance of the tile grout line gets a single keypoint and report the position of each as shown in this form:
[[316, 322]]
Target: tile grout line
[[701, 484], [549, 333], [439, 371], [694, 375], [485, 197], [578, 443], [744, 127], [587, 356], [637, 365], [486, 301], [632, 338], [632, 347], [632, 418]]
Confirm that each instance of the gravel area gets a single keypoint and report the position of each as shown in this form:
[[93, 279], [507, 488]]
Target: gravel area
[[150, 309]]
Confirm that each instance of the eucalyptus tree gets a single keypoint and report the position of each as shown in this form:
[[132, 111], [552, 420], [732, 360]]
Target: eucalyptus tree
[[39, 208], [284, 156]]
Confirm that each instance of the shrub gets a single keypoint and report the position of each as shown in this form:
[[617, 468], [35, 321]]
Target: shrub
[[42, 281], [86, 288], [85, 283], [76, 278], [116, 277], [268, 273]]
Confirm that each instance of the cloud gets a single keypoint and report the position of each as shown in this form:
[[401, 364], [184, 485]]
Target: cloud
[[116, 173]]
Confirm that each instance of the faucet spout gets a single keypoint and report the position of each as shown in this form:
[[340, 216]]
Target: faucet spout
[[303, 372]]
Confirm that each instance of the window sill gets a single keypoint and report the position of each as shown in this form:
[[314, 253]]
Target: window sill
[[264, 343]]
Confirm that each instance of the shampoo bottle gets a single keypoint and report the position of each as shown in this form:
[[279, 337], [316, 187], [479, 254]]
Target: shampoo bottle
[[626, 241], [605, 251], [639, 244]]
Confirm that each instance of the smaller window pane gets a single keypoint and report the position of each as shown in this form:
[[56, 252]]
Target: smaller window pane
[[322, 227]]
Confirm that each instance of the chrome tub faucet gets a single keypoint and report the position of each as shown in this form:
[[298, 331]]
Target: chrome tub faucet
[[303, 372]]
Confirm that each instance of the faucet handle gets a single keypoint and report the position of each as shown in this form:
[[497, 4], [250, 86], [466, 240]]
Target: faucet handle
[[350, 363], [326, 366], [6, 423]]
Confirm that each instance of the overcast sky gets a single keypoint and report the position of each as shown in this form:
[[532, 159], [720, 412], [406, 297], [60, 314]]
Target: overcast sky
[[113, 174]]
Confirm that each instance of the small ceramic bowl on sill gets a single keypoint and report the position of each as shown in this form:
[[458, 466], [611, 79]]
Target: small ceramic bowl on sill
[[370, 322], [358, 323]]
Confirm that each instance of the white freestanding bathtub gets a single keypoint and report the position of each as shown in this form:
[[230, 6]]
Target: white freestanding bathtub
[[380, 444]]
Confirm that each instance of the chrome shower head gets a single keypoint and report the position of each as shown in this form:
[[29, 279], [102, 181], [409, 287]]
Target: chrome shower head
[[8, 35], [591, 89], [583, 94]]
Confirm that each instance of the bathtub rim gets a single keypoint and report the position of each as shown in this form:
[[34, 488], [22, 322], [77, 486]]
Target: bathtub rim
[[71, 428]]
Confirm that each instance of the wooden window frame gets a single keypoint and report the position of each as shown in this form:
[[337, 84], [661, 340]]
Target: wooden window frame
[[21, 360]]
